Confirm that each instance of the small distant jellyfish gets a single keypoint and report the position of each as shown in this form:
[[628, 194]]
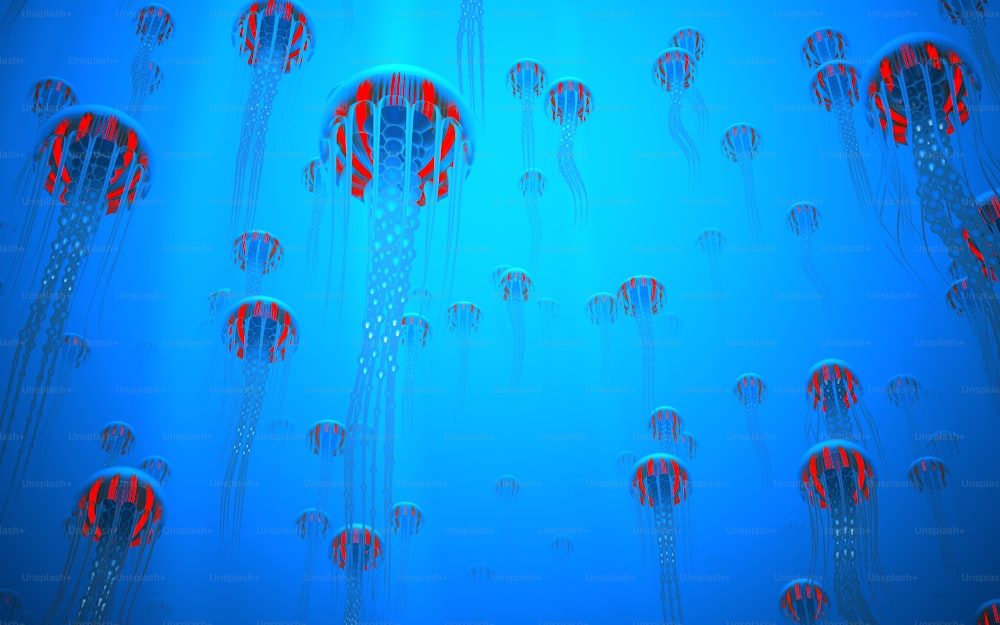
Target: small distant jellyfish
[[470, 37], [835, 394], [972, 14], [151, 78], [532, 187], [674, 72], [257, 253], [562, 548], [741, 144], [12, 606], [569, 103], [966, 303], [548, 313], [904, 391], [507, 488], [516, 288], [463, 322], [414, 332], [158, 612], [930, 475], [688, 445], [824, 45], [602, 310], [944, 444], [641, 297], [711, 243], [356, 549], [311, 525], [693, 42], [73, 353], [803, 221], [219, 302], [154, 25], [49, 96], [158, 468], [405, 520], [665, 426], [481, 576], [804, 601], [315, 184], [526, 80], [326, 440], [751, 391], [989, 613], [117, 440]]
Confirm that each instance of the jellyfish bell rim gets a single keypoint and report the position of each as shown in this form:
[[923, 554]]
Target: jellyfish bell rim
[[245, 9], [928, 458], [52, 77], [119, 471], [267, 299], [804, 581], [638, 466], [662, 53], [872, 71], [117, 422], [564, 79], [986, 605], [819, 364], [312, 509], [838, 443], [749, 374]]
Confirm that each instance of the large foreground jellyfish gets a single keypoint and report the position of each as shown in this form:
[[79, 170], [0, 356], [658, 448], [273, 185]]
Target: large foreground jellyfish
[[803, 221], [470, 37], [838, 483], [414, 332], [405, 520], [119, 512], [929, 475], [903, 391], [972, 14], [49, 96], [568, 103], [153, 25], [260, 332], [526, 80], [835, 394], [91, 163], [463, 322], [400, 140], [711, 243], [674, 72], [272, 37], [750, 391], [740, 144], [660, 482], [602, 310], [641, 297], [117, 440], [693, 42], [257, 253], [356, 549], [326, 440], [515, 289], [804, 601], [532, 187], [311, 525]]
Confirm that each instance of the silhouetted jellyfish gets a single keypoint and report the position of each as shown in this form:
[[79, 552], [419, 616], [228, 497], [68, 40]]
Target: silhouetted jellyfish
[[804, 601], [904, 392], [969, 304], [568, 103], [711, 243], [803, 221], [219, 302], [257, 253], [400, 139], [660, 482], [158, 612], [260, 332], [326, 440], [157, 467], [838, 483], [670, 324], [414, 332], [117, 440], [507, 488], [548, 314], [526, 81], [751, 391], [665, 426], [154, 26], [693, 43], [151, 77], [463, 322], [273, 37], [12, 607], [944, 444], [121, 512], [824, 45], [929, 474], [674, 72], [532, 187], [988, 613], [602, 310], [311, 526], [313, 177], [835, 394], [356, 549], [481, 576], [470, 37], [740, 144], [49, 96], [688, 445], [92, 161], [405, 520], [516, 288], [972, 14], [562, 548], [641, 297], [72, 355]]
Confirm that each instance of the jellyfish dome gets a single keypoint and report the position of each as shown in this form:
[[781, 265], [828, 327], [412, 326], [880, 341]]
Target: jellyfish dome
[[822, 46], [50, 95], [804, 601], [158, 468], [989, 613]]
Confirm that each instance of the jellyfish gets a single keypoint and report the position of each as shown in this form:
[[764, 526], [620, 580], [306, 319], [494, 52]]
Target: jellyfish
[[405, 520], [692, 42], [836, 397], [515, 288], [824, 45], [400, 139], [665, 426], [311, 526], [660, 482], [967, 303], [548, 311], [150, 82], [257, 253], [751, 391], [740, 144], [356, 549], [470, 37], [803, 220], [12, 607], [463, 321], [569, 102], [154, 26], [117, 440], [218, 305], [929, 474], [526, 80], [711, 243], [988, 205], [602, 310], [838, 484], [988, 613], [641, 297], [904, 392], [72, 355], [415, 330], [804, 601], [972, 14], [120, 512], [562, 548], [49, 96], [157, 467], [92, 161], [674, 72], [532, 187], [326, 440], [944, 444], [420, 300], [481, 576], [688, 445], [259, 332], [507, 488], [158, 612], [273, 37]]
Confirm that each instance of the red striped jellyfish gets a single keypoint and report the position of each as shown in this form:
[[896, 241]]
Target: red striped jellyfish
[[516, 288], [824, 45], [989, 613], [838, 484], [326, 440], [150, 80], [674, 73], [929, 475], [405, 520], [803, 221], [154, 25], [602, 310], [157, 468], [401, 141], [532, 187], [273, 37], [121, 514], [804, 601], [49, 96], [741, 144], [988, 205], [415, 331], [526, 81], [660, 482], [12, 607], [967, 303], [665, 426], [711, 243], [470, 41], [257, 253], [260, 333], [641, 297], [117, 440], [688, 445], [313, 179], [357, 550], [568, 103], [835, 395], [311, 526], [693, 42], [903, 392], [463, 322], [91, 163], [971, 15], [751, 392]]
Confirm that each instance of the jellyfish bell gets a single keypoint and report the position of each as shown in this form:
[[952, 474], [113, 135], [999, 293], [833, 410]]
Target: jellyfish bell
[[804, 601]]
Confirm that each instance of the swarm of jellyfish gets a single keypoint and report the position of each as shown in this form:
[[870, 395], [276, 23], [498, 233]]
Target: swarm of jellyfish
[[405, 520], [311, 525], [463, 322], [711, 243], [119, 513], [157, 468], [117, 440], [515, 289], [568, 103], [835, 395], [326, 440], [674, 73], [469, 43], [929, 475], [803, 221], [526, 81], [153, 26], [532, 187], [751, 391], [904, 392], [259, 333], [92, 162], [693, 42], [356, 549], [741, 144], [971, 15], [837, 482], [272, 37], [257, 253], [602, 310], [988, 613], [804, 601], [641, 297], [49, 96], [414, 332]]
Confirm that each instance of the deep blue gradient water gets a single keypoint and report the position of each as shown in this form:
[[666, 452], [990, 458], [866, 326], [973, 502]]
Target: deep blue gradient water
[[157, 363]]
